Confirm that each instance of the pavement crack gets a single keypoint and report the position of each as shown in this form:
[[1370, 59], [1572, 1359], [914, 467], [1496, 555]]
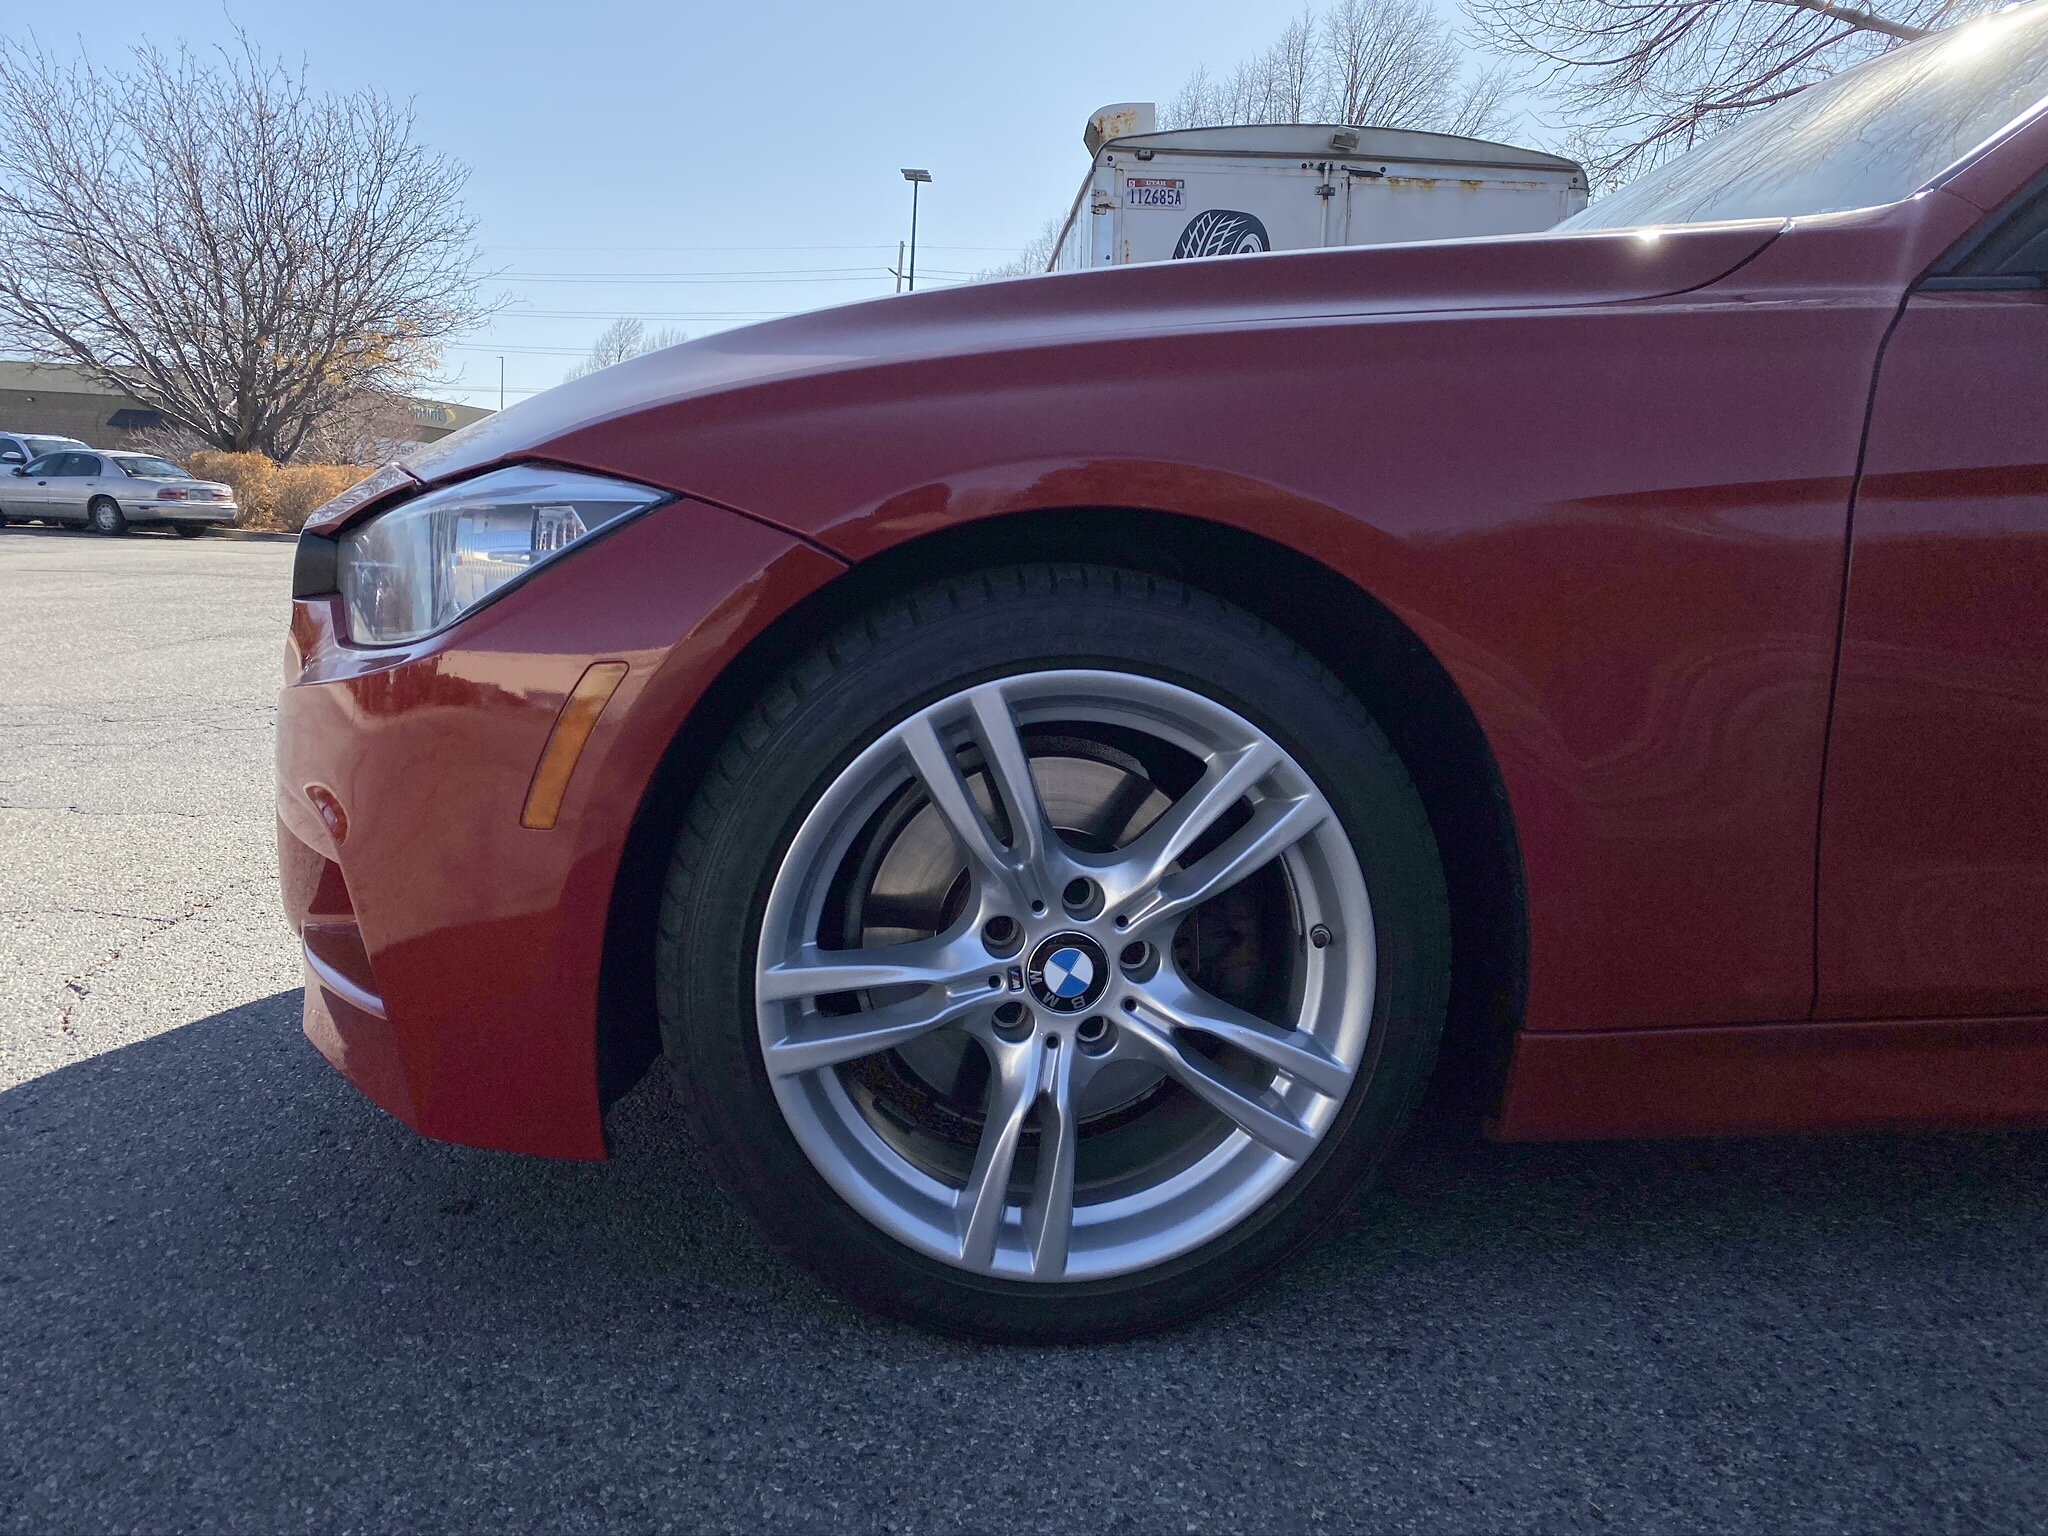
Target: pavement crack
[[80, 985], [133, 917], [82, 810]]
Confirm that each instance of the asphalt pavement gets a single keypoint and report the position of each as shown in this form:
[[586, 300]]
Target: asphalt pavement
[[234, 1296]]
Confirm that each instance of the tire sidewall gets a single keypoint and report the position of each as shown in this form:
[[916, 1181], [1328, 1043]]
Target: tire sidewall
[[938, 648]]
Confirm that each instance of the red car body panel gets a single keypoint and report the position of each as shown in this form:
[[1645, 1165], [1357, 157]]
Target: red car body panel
[[1934, 841], [1766, 1079], [1606, 480], [452, 954]]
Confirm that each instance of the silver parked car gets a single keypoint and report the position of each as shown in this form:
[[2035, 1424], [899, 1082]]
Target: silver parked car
[[20, 447], [112, 492]]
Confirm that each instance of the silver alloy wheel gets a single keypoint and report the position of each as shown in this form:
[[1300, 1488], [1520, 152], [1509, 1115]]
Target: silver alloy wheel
[[1055, 998]]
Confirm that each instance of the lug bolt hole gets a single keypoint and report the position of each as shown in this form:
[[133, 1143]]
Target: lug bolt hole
[[1140, 961], [1081, 898], [1095, 1033], [1012, 1020], [1002, 936]]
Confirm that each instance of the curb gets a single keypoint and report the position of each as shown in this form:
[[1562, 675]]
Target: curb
[[214, 534]]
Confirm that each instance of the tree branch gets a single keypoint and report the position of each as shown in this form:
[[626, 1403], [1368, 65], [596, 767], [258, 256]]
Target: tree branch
[[1862, 20]]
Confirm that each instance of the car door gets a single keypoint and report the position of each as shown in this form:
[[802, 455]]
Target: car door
[[101, 476], [29, 493], [73, 486], [1934, 820]]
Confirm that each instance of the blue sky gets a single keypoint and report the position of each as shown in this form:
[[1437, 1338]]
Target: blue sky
[[728, 161]]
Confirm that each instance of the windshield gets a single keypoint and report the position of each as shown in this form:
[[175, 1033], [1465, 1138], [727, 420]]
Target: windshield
[[40, 445], [1874, 134], [145, 467]]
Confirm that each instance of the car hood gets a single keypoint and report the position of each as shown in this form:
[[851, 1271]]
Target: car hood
[[1513, 272]]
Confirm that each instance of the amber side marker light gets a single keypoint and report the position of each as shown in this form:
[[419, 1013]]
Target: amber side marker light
[[586, 701]]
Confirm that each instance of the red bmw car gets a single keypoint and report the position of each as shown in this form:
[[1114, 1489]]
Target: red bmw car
[[1056, 766]]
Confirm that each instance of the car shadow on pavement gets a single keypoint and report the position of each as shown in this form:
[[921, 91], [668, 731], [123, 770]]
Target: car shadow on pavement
[[234, 1294]]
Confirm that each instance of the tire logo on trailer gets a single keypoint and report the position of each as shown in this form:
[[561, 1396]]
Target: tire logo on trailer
[[1222, 232]]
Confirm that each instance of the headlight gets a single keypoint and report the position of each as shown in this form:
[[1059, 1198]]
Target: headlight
[[422, 565]]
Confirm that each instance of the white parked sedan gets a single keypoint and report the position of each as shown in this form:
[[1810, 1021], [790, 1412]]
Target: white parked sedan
[[112, 492]]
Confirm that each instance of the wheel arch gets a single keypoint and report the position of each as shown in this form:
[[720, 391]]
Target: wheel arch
[[1379, 658]]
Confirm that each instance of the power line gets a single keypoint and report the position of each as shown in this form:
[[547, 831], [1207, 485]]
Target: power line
[[496, 347], [863, 270], [698, 279], [643, 314], [730, 249]]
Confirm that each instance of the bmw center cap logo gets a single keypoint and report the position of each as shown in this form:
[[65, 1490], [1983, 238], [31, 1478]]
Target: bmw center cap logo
[[1067, 972]]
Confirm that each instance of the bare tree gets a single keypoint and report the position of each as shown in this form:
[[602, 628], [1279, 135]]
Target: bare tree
[[1290, 70], [1641, 80], [234, 249], [625, 337], [368, 429], [1376, 63], [1035, 257]]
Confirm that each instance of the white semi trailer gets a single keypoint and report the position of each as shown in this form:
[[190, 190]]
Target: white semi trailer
[[1153, 196]]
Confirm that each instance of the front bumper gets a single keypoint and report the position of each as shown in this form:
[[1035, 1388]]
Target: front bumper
[[452, 955]]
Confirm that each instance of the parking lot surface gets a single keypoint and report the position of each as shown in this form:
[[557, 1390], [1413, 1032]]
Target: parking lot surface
[[234, 1296]]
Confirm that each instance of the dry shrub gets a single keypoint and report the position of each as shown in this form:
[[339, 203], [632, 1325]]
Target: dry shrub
[[253, 477], [274, 496], [303, 489]]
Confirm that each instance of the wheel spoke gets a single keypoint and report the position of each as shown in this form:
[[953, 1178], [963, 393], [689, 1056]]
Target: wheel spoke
[[1049, 1214], [1257, 1112], [1150, 857], [827, 1041], [1275, 826], [1009, 771], [1018, 1077], [815, 972], [1180, 1005], [936, 769]]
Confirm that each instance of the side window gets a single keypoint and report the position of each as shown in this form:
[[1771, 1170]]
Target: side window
[[2012, 253], [12, 452], [45, 466], [78, 466]]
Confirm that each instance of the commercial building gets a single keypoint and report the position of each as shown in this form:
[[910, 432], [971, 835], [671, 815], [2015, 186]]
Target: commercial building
[[62, 400]]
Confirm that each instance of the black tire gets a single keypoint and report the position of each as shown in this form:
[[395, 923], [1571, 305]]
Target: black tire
[[1222, 232], [188, 530], [104, 515], [906, 655]]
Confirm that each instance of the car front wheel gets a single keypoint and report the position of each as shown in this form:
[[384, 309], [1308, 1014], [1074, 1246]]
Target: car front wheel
[[1052, 954]]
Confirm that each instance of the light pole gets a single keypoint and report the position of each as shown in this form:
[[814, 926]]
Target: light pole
[[501, 381], [916, 179]]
